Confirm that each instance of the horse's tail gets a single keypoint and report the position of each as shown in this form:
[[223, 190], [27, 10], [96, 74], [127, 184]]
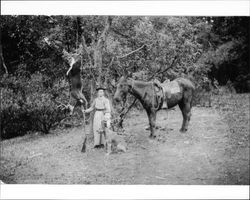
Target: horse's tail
[[193, 88], [189, 85]]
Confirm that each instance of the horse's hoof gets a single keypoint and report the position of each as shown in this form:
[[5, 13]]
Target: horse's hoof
[[183, 130]]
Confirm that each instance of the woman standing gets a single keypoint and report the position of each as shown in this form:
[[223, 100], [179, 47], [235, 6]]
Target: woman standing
[[102, 109]]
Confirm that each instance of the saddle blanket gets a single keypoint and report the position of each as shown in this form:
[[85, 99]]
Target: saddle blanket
[[170, 88]]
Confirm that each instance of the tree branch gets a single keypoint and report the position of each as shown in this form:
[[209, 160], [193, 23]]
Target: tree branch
[[123, 56], [119, 33], [163, 71], [4, 66], [103, 36], [77, 31], [2, 59], [87, 50], [99, 48], [171, 66], [122, 115], [109, 66]]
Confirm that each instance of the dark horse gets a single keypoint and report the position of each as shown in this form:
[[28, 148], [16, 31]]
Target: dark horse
[[179, 91]]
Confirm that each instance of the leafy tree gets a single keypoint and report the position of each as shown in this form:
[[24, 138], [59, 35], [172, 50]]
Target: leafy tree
[[208, 50]]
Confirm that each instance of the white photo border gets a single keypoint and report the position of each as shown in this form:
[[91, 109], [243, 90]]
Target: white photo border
[[163, 8]]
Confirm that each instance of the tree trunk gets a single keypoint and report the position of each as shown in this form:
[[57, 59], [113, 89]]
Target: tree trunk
[[2, 59], [99, 48]]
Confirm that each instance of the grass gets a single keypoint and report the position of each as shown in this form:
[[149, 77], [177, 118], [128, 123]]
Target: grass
[[235, 110]]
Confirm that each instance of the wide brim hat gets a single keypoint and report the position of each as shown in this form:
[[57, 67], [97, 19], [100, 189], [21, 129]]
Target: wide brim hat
[[101, 88]]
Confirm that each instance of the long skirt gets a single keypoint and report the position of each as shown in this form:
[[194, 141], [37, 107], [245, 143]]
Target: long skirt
[[99, 117]]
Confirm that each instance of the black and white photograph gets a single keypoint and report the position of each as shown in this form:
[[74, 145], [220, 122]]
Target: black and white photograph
[[124, 100]]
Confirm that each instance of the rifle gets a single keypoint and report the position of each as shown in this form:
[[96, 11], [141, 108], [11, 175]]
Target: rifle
[[84, 129]]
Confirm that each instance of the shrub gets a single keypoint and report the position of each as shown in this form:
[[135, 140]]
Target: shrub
[[27, 104], [44, 112], [14, 122]]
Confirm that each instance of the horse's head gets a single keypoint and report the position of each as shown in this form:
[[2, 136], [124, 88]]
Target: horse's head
[[122, 89]]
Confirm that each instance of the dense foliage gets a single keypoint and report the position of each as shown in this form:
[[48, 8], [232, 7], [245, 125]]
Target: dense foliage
[[211, 51], [27, 105]]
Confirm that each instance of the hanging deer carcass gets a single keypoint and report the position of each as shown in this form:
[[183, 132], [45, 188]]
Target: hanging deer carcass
[[73, 75], [76, 85]]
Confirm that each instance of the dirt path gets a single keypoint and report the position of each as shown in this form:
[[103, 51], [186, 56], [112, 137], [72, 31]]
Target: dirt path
[[203, 155]]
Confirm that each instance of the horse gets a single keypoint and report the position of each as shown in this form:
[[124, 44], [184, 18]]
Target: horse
[[152, 96]]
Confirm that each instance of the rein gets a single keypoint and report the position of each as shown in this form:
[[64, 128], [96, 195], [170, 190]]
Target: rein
[[132, 86], [122, 114]]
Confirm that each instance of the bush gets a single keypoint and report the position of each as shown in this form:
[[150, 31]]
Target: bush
[[44, 112], [14, 122], [28, 105]]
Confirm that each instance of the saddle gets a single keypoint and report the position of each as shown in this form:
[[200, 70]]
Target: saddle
[[165, 90], [160, 97]]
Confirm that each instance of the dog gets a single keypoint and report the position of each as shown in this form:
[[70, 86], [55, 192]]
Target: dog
[[114, 143]]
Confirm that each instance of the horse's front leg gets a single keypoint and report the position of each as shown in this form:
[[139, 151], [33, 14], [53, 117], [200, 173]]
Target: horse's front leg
[[152, 118]]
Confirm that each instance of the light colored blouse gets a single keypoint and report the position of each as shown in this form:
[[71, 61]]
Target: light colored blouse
[[101, 103]]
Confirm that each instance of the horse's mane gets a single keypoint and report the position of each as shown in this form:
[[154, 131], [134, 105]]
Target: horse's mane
[[140, 83], [145, 91]]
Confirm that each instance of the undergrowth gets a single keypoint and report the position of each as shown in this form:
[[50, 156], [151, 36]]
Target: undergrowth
[[235, 110]]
